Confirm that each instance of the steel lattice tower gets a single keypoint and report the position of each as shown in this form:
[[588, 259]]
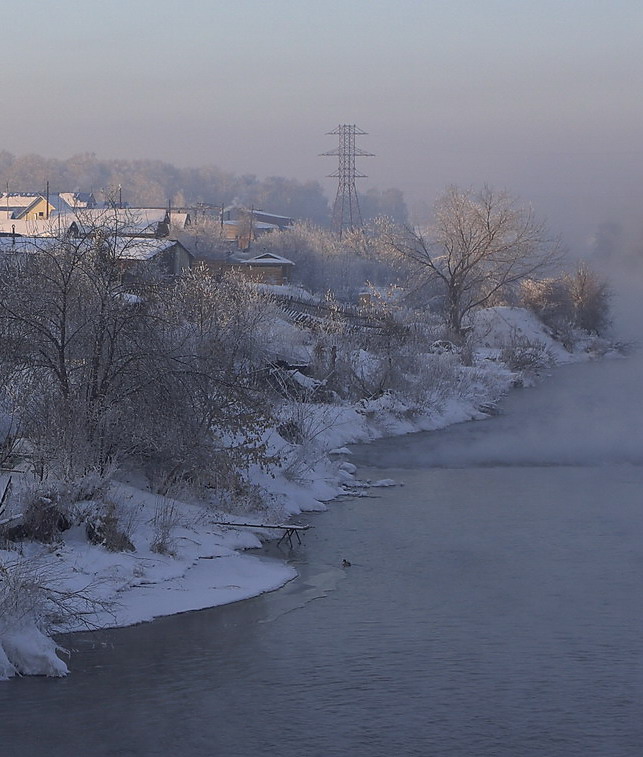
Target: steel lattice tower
[[346, 212]]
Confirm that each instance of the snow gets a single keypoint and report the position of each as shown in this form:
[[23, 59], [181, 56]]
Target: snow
[[340, 451], [384, 482], [498, 327], [27, 651], [203, 563], [205, 569]]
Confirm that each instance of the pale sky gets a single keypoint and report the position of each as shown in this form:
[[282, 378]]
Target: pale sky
[[540, 97]]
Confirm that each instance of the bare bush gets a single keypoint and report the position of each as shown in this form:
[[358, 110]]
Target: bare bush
[[524, 356], [31, 590], [166, 519], [106, 528]]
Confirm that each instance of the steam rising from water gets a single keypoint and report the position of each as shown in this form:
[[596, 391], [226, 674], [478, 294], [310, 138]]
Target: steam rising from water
[[584, 414]]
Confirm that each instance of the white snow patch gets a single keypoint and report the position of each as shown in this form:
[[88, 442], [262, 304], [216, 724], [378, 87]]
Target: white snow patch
[[27, 651], [499, 327], [340, 451]]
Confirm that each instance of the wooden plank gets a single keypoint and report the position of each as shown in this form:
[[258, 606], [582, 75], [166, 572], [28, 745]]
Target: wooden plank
[[288, 527]]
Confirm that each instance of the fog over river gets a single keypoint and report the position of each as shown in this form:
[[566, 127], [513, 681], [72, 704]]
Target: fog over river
[[494, 607]]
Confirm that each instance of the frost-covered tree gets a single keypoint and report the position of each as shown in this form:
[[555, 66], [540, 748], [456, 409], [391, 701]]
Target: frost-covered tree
[[479, 244], [590, 295], [75, 345], [210, 423], [577, 300], [94, 372], [325, 262]]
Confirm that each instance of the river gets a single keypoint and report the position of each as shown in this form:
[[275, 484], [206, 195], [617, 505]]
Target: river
[[494, 607]]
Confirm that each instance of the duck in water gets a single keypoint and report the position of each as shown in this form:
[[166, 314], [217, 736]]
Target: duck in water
[[345, 563]]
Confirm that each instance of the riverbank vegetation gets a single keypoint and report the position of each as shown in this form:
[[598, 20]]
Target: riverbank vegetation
[[136, 418]]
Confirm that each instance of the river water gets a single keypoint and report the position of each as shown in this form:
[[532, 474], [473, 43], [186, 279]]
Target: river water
[[494, 607]]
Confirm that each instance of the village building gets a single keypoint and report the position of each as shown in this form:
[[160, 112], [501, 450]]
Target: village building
[[169, 257], [135, 257], [146, 236], [245, 225], [75, 200], [267, 268]]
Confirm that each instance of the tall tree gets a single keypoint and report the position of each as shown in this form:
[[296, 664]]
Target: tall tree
[[479, 244]]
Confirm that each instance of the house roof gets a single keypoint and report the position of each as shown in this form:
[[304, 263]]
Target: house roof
[[76, 200], [267, 258], [256, 225], [179, 219], [126, 248], [53, 226], [19, 199], [128, 220], [146, 249], [277, 220]]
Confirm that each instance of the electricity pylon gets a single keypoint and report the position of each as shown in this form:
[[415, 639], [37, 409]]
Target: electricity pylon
[[346, 212]]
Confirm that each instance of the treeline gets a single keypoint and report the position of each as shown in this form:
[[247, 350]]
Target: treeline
[[155, 183]]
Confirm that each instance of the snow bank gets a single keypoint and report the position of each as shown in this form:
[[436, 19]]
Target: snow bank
[[201, 568], [25, 650], [501, 327]]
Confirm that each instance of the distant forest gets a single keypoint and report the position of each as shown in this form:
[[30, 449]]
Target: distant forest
[[154, 183]]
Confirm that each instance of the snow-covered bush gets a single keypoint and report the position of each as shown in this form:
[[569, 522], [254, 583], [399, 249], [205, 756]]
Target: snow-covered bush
[[435, 379], [524, 356], [41, 511], [303, 426], [580, 300], [32, 606]]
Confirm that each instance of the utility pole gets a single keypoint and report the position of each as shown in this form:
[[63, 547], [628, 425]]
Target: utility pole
[[346, 212]]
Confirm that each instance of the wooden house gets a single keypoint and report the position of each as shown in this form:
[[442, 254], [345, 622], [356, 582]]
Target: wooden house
[[267, 268]]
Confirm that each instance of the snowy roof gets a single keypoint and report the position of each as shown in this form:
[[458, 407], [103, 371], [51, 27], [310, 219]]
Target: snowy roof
[[26, 244], [236, 206], [268, 258], [19, 200], [256, 225], [125, 248], [55, 225], [145, 249], [127, 220]]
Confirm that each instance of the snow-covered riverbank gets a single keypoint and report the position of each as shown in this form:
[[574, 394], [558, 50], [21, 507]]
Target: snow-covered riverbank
[[183, 559]]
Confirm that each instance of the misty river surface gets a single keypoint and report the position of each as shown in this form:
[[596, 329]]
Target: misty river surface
[[494, 607]]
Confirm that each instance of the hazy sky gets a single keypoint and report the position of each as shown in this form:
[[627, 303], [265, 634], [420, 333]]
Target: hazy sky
[[542, 97]]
